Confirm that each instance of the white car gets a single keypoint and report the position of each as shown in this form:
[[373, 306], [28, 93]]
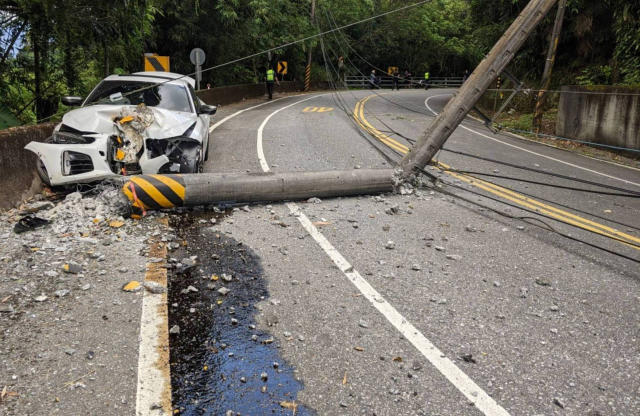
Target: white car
[[143, 123]]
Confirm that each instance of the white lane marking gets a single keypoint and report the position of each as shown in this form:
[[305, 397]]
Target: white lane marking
[[229, 117], [153, 382], [154, 376], [261, 158], [457, 377], [426, 103]]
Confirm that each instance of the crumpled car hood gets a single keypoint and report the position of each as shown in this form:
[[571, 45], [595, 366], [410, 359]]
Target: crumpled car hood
[[99, 119]]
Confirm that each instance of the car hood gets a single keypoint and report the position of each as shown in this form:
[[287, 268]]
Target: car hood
[[100, 119]]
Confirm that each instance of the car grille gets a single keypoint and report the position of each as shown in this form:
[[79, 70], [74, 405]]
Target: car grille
[[79, 163]]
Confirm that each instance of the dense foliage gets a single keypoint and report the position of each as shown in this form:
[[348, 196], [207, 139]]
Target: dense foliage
[[50, 48]]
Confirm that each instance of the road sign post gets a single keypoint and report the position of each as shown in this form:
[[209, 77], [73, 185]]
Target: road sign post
[[197, 57]]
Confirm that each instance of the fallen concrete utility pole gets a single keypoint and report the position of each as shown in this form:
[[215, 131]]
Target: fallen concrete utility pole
[[548, 66], [471, 91], [167, 191]]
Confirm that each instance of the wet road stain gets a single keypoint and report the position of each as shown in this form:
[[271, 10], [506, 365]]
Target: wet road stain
[[221, 364]]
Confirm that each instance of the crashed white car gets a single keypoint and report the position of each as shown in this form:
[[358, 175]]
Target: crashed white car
[[143, 123]]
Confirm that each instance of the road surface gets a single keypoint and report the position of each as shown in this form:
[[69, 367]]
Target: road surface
[[420, 304]]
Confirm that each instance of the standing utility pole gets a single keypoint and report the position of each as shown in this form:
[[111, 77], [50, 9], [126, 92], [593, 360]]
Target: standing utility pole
[[548, 66], [307, 71], [469, 94]]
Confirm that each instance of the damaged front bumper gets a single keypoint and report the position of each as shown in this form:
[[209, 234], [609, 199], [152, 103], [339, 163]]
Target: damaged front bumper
[[72, 156]]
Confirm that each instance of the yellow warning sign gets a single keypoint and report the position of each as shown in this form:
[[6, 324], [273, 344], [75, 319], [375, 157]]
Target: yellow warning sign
[[156, 63], [392, 69], [283, 67]]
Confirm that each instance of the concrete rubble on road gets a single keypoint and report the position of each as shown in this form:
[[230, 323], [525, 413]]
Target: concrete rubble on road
[[62, 281]]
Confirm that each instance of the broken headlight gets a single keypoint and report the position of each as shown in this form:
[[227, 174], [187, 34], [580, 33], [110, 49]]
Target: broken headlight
[[69, 138]]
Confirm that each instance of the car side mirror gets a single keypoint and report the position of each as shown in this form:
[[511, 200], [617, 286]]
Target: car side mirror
[[208, 109], [71, 101]]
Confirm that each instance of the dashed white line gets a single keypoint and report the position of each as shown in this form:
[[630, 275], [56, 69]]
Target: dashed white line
[[447, 368], [426, 103]]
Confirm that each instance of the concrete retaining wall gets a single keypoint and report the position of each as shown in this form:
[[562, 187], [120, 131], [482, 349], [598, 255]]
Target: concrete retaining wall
[[236, 93], [18, 177], [612, 118]]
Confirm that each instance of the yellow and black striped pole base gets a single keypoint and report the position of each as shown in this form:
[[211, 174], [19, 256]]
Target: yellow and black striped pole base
[[307, 78], [150, 192]]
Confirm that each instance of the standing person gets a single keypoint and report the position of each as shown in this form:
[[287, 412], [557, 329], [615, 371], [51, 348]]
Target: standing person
[[426, 80], [407, 77], [373, 80], [465, 75], [341, 72], [270, 78], [395, 76]]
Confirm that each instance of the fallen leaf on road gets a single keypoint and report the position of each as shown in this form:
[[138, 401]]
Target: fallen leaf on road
[[132, 286], [214, 277], [116, 224], [5, 299], [321, 223], [358, 348], [344, 379], [289, 405], [4, 393], [397, 359]]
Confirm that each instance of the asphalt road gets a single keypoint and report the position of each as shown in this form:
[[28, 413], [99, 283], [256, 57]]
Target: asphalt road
[[470, 312]]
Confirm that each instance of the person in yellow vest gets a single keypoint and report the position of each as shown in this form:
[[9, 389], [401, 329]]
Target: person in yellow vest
[[426, 80], [271, 78]]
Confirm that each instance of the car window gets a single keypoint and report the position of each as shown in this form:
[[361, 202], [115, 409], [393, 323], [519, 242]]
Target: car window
[[167, 96]]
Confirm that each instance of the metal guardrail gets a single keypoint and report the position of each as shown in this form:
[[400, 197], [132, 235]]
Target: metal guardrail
[[414, 82]]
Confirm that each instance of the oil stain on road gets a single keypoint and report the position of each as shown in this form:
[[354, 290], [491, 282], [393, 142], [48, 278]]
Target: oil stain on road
[[221, 364]]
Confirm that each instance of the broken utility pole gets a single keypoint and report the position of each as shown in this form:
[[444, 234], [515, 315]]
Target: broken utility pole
[[471, 91], [167, 191], [548, 66]]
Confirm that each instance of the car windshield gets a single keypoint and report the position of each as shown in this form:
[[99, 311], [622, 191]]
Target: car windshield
[[167, 96]]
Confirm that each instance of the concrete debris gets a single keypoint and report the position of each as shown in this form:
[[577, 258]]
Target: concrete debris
[[390, 245], [558, 402], [40, 298], [154, 287], [314, 200], [174, 330], [416, 267], [61, 293], [6, 308], [223, 291], [71, 267], [453, 256], [363, 324], [543, 281]]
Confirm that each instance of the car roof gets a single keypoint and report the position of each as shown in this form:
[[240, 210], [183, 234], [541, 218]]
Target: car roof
[[153, 76]]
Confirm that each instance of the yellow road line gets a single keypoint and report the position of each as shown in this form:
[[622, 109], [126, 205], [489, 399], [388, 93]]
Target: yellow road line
[[502, 192]]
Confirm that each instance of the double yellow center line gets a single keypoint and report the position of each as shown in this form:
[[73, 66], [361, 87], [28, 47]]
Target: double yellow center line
[[500, 191]]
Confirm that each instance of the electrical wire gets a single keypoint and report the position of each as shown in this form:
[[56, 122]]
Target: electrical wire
[[554, 137], [537, 221], [556, 175]]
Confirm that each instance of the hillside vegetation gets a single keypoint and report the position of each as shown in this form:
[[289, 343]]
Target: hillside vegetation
[[50, 48]]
